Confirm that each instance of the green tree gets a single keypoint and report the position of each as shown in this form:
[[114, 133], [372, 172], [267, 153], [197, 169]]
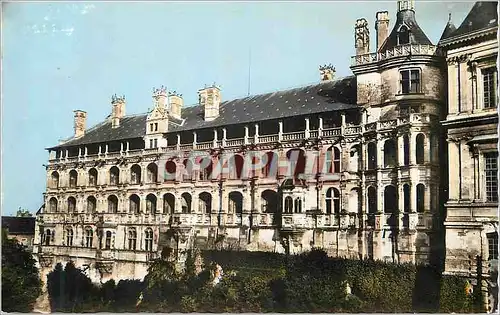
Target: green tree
[[23, 213], [21, 283]]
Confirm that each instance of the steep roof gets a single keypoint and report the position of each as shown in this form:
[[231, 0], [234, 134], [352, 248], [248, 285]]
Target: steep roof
[[483, 15], [19, 225], [417, 36], [322, 97], [448, 30]]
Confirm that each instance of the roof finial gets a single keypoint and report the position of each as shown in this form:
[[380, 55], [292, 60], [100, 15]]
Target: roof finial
[[449, 17]]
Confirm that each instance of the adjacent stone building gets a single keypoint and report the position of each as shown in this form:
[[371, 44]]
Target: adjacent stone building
[[353, 165], [21, 229]]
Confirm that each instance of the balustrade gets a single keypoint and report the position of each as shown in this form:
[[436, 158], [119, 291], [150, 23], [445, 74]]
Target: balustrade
[[397, 51]]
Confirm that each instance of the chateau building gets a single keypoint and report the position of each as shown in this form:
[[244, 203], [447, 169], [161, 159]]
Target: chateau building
[[352, 165]]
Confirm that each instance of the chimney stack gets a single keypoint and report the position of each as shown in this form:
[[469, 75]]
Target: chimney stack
[[80, 122], [382, 27], [327, 72], [117, 110], [210, 99], [362, 37], [160, 97], [175, 102]]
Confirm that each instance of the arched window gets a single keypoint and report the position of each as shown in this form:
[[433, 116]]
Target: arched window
[[235, 166], [354, 201], [406, 197], [170, 171], [114, 176], [150, 203], [205, 203], [73, 178], [406, 149], [420, 198], [288, 204], [148, 240], [69, 237], [132, 239], [297, 160], [71, 204], [372, 156], [372, 200], [354, 154], [269, 201], [48, 237], [112, 204], [270, 168], [403, 35], [54, 180], [89, 236], [332, 160], [332, 201], [91, 204], [188, 170], [53, 205], [390, 199], [107, 244], [152, 173], [390, 153], [168, 203], [135, 204], [205, 168], [135, 174], [298, 205], [186, 203], [419, 148], [92, 177], [235, 202]]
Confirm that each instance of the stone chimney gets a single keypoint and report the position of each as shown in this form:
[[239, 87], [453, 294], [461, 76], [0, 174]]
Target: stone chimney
[[117, 110], [327, 72], [160, 97], [80, 122], [362, 37], [175, 102], [382, 27], [210, 99]]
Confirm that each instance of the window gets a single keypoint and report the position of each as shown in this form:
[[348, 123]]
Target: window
[[150, 203], [151, 127], [69, 237], [419, 150], [372, 156], [333, 160], [491, 170], [410, 81], [92, 177], [372, 200], [107, 244], [298, 205], [269, 200], [155, 143], [390, 199], [73, 177], [490, 82], [89, 236], [148, 240], [151, 143], [112, 204], [168, 203], [152, 173], [406, 198], [390, 153], [132, 239], [406, 149], [186, 203], [170, 171], [156, 126], [288, 204], [205, 170], [492, 245], [270, 158], [53, 205], [205, 203], [135, 204], [135, 174], [114, 175], [235, 166], [91, 204], [48, 237], [235, 202], [420, 198], [403, 36], [54, 178], [188, 169], [71, 204], [297, 160], [332, 201]]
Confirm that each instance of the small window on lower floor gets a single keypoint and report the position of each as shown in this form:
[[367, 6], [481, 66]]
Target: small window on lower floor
[[492, 245]]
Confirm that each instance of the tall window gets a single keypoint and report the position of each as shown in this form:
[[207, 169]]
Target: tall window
[[168, 203], [390, 153], [71, 204], [491, 170], [152, 173], [406, 149], [107, 244], [73, 178], [298, 205], [135, 204], [54, 178], [332, 201], [492, 245], [48, 237], [135, 174], [235, 202], [372, 156], [288, 204], [114, 175], [406, 197], [420, 198], [390, 199], [490, 81], [148, 240], [132, 239], [69, 237], [89, 237], [91, 204], [92, 177], [151, 203], [419, 149], [186, 203], [410, 81], [269, 202], [205, 170], [112, 204], [372, 200], [333, 160], [403, 36], [205, 203], [53, 205], [271, 163]]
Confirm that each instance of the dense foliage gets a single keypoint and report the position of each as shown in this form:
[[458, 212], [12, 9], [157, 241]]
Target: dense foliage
[[20, 280]]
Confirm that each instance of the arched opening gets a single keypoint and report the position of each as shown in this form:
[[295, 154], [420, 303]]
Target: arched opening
[[53, 205], [114, 176], [288, 204], [188, 169], [112, 204], [235, 166], [54, 180], [420, 198], [403, 36], [91, 204], [107, 243], [353, 201], [186, 203], [152, 173], [270, 168], [372, 156], [419, 148], [148, 240], [168, 203], [89, 236], [135, 174], [73, 178], [92, 177], [372, 200], [332, 201], [69, 237], [205, 168], [406, 149], [406, 198], [269, 201], [132, 239], [205, 202], [170, 171], [298, 205], [354, 155], [48, 237], [235, 202], [390, 153], [332, 160], [297, 160], [71, 204], [150, 203], [134, 204], [390, 199]]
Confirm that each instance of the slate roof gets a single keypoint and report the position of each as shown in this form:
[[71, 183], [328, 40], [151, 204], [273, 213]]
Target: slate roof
[[322, 97], [483, 15], [448, 30], [417, 36], [19, 225]]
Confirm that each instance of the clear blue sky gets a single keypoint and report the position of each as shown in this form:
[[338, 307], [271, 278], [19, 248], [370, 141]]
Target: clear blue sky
[[58, 57]]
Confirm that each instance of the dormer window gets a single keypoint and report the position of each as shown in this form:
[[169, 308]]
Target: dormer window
[[410, 81], [156, 126], [403, 35]]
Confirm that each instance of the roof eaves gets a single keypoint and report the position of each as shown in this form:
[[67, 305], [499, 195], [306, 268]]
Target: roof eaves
[[468, 36]]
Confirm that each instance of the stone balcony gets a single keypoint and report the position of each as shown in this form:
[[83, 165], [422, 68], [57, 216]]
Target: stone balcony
[[398, 51]]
